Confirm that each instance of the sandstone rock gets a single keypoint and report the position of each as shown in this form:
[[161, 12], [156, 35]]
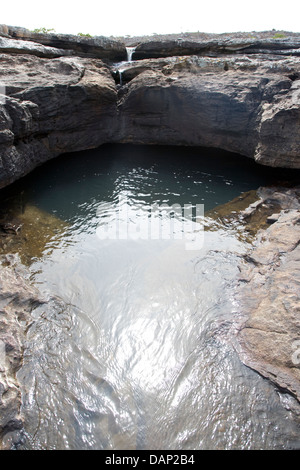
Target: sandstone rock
[[20, 301], [55, 106], [17, 299], [238, 95], [269, 300], [99, 47], [280, 123], [203, 103], [213, 47], [243, 103], [13, 46]]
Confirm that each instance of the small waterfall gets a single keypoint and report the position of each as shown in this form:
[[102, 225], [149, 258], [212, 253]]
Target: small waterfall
[[118, 73], [130, 51], [121, 77]]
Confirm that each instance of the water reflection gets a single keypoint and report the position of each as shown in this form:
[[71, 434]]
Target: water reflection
[[137, 355]]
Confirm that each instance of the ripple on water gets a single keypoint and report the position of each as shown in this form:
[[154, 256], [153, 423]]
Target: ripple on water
[[135, 351]]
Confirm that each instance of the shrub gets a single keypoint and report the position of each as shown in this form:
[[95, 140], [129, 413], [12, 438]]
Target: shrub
[[278, 36], [84, 35], [44, 30]]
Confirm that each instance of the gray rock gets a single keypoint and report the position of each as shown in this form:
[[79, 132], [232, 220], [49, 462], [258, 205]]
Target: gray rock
[[236, 104], [55, 106], [268, 299], [248, 104], [17, 299], [99, 47], [13, 46], [215, 47]]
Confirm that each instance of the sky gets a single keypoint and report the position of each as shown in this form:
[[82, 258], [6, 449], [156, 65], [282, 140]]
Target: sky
[[135, 17]]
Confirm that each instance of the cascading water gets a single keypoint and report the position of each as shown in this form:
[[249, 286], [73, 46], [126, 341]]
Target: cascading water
[[120, 69], [130, 52]]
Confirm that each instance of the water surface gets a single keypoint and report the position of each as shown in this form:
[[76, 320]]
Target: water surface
[[136, 352]]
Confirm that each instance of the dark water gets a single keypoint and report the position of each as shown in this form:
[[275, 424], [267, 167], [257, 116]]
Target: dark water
[[72, 185], [138, 355]]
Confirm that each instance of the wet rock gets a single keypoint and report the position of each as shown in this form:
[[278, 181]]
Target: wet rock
[[17, 299], [269, 298], [20, 304], [30, 233]]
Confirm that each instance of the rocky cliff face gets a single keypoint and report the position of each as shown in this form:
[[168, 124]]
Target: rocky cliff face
[[237, 104], [99, 47], [65, 93], [52, 106]]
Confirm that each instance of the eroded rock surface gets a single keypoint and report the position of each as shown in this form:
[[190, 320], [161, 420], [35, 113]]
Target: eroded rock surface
[[51, 107], [216, 46], [238, 95], [20, 304], [17, 299], [99, 47], [247, 105], [59, 96], [269, 296]]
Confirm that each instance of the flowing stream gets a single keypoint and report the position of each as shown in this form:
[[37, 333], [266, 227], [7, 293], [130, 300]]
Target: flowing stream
[[137, 353]]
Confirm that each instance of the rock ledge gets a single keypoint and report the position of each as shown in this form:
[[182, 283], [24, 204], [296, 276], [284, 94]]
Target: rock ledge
[[269, 296]]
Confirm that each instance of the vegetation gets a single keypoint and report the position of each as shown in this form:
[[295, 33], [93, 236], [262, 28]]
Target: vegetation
[[44, 30], [84, 35], [278, 36]]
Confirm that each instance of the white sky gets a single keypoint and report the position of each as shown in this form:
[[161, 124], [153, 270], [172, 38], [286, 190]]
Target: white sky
[[133, 17]]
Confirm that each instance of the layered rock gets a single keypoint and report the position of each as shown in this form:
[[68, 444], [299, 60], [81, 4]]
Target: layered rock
[[12, 46], [56, 101], [52, 106], [99, 47], [18, 298], [238, 95], [268, 295], [216, 47], [245, 105]]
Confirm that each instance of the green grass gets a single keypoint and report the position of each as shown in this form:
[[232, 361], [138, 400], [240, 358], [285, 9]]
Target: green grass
[[278, 36], [84, 35], [44, 30]]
